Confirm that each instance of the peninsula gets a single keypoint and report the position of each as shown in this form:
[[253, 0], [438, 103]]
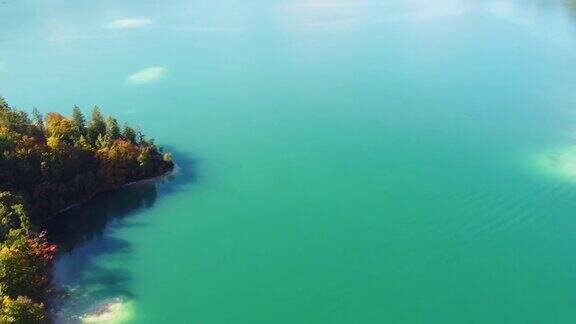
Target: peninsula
[[48, 163]]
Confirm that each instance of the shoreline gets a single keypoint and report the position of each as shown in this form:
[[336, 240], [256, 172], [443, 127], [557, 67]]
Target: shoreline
[[100, 309], [54, 164], [174, 170]]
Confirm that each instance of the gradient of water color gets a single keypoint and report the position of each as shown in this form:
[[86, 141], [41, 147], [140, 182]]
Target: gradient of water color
[[341, 161]]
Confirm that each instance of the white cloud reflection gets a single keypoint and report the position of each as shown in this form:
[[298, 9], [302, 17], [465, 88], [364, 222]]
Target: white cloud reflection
[[129, 23], [147, 75]]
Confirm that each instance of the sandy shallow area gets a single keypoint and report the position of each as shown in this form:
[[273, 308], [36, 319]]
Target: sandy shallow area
[[112, 311]]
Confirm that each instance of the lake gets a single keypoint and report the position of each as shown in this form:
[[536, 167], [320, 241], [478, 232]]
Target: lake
[[344, 161]]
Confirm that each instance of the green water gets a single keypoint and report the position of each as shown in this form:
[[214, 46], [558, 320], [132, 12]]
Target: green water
[[345, 161]]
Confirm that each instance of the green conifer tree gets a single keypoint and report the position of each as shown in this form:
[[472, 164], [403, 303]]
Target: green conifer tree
[[129, 134], [97, 126], [78, 122], [112, 129]]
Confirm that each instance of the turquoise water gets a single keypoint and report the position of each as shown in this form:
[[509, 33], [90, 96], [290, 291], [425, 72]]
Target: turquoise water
[[340, 161]]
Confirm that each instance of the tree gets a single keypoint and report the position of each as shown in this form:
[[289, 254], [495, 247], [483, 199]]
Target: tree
[[145, 160], [8, 140], [37, 118], [129, 134], [118, 163], [60, 127], [78, 122], [12, 214], [53, 142], [102, 142], [52, 163], [15, 120], [25, 264], [112, 129], [97, 126], [3, 104], [140, 137], [82, 143], [21, 310]]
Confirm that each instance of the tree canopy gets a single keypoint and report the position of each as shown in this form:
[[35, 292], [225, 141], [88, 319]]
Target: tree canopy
[[46, 164]]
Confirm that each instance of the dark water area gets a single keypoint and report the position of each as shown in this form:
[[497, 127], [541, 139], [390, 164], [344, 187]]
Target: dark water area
[[88, 221]]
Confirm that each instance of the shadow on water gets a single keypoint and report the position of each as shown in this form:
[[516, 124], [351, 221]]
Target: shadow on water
[[89, 221], [86, 233], [84, 223], [184, 174]]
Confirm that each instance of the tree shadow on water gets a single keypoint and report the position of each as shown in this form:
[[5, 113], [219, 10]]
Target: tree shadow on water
[[89, 265], [184, 173], [88, 221]]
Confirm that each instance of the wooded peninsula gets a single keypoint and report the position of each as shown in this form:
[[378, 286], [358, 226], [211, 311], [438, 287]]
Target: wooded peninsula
[[47, 164]]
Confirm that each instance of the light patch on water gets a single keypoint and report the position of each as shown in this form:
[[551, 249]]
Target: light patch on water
[[341, 22], [426, 10], [546, 23], [328, 4], [522, 16], [323, 14], [129, 23], [560, 162], [147, 75], [117, 311]]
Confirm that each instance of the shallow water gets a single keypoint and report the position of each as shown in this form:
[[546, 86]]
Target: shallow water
[[341, 161]]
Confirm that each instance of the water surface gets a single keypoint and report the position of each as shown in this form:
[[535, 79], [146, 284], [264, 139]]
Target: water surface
[[341, 161]]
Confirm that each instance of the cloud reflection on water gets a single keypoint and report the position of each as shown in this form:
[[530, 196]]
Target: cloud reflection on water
[[147, 75], [129, 23]]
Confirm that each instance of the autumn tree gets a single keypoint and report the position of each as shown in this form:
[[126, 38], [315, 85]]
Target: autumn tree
[[21, 310], [52, 163], [59, 128], [25, 265]]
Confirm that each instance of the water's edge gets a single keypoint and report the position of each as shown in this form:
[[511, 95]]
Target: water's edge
[[59, 295]]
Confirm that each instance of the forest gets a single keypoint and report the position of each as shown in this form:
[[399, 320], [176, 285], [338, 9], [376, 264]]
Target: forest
[[49, 163]]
